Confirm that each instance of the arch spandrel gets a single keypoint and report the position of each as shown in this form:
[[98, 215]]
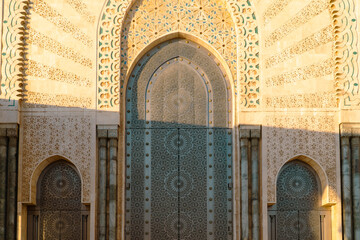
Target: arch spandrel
[[148, 20], [238, 43]]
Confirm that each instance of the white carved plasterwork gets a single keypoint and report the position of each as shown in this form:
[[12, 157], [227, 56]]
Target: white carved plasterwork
[[288, 136], [69, 136]]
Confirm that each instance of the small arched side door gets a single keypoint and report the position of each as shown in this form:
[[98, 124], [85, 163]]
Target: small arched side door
[[59, 213], [298, 213]]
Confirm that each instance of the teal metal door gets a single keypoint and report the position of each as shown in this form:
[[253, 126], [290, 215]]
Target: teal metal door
[[179, 183], [178, 146]]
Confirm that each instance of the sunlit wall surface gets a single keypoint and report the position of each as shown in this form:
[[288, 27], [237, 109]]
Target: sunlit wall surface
[[292, 72]]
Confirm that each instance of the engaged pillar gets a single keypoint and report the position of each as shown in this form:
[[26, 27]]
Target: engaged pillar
[[355, 145], [346, 187], [250, 179], [107, 182], [350, 180], [8, 180], [255, 187]]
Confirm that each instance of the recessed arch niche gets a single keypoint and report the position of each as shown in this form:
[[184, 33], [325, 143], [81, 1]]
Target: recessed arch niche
[[178, 119], [58, 213], [298, 212]]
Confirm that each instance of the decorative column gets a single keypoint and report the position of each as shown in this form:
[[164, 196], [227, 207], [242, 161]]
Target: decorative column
[[12, 183], [113, 146], [107, 181], [3, 170], [355, 145], [8, 180], [244, 149], [250, 178], [255, 187], [102, 142], [346, 187], [350, 179]]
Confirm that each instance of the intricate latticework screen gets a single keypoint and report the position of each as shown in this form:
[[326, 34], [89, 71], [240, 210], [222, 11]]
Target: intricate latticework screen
[[179, 146], [298, 212]]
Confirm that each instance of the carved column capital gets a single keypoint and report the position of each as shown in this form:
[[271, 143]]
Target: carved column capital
[[250, 131], [108, 131]]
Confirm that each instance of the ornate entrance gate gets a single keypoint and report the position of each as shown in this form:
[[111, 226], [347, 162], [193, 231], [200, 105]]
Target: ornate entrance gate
[[179, 183], [178, 146]]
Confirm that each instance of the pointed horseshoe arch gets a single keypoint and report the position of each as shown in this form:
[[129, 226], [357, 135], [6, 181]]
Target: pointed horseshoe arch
[[58, 212], [200, 45], [178, 122], [39, 170], [299, 212], [111, 52], [324, 183]]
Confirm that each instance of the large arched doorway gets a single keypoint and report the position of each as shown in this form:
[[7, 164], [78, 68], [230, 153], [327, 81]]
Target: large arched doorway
[[59, 213], [178, 146], [298, 213]]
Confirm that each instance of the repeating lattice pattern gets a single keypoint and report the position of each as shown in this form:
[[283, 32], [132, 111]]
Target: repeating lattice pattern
[[71, 137], [179, 159], [201, 81], [297, 201], [60, 203], [308, 135], [235, 39], [176, 191], [297, 188]]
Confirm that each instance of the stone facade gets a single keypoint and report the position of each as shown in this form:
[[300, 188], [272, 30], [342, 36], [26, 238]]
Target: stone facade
[[292, 66]]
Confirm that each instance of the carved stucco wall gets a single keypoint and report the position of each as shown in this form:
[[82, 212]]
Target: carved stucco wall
[[12, 44], [66, 55], [346, 22], [309, 135], [53, 75], [69, 136], [16, 15], [142, 22], [298, 50], [298, 88]]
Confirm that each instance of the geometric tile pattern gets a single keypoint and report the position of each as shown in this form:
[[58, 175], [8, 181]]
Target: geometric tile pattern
[[208, 20]]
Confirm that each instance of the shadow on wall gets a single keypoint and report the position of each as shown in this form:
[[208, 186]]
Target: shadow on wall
[[38, 123], [178, 146]]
